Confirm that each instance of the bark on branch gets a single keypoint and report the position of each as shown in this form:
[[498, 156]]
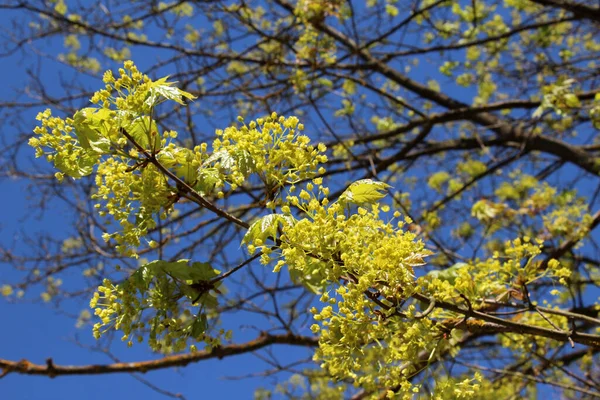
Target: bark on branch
[[579, 10], [51, 370]]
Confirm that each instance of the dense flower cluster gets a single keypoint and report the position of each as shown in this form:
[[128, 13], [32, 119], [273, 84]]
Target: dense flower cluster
[[346, 251], [272, 147], [501, 276], [159, 286], [561, 214], [130, 189], [121, 140]]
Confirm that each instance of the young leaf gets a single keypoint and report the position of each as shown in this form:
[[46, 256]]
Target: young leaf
[[266, 227], [207, 300], [76, 167], [166, 90], [223, 157], [364, 191], [416, 259], [145, 132], [315, 282], [572, 100], [206, 180], [179, 269], [184, 168], [203, 272], [199, 326], [245, 162], [143, 276], [90, 129], [449, 274], [262, 229]]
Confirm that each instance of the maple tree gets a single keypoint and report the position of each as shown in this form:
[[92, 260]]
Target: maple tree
[[411, 188]]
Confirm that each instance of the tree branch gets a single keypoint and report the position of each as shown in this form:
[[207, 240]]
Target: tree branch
[[578, 9], [51, 370]]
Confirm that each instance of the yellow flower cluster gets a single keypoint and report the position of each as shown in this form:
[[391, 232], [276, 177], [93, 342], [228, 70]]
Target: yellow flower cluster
[[499, 277], [68, 156], [309, 9], [562, 214], [352, 256], [169, 329], [273, 148], [595, 111], [131, 87], [112, 139], [132, 199], [453, 388]]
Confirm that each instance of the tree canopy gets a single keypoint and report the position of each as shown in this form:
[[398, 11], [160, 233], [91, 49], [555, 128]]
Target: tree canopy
[[404, 190]]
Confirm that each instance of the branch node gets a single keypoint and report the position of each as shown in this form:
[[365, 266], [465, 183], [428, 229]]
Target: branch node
[[470, 311], [51, 368]]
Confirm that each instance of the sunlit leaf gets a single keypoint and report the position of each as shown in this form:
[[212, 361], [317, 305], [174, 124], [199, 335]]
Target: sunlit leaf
[[245, 162], [90, 129], [449, 274], [76, 167], [364, 191], [206, 180], [225, 160], [266, 227], [165, 90], [145, 132]]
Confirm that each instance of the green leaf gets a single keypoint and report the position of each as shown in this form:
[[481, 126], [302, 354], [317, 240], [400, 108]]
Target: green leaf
[[199, 326], [143, 276], [142, 129], [262, 228], [449, 274], [538, 112], [391, 10], [168, 158], [187, 172], [242, 159], [223, 157], [77, 167], [90, 128], [203, 272], [91, 139], [364, 191], [245, 162], [166, 90], [82, 115], [184, 168], [179, 269], [485, 210], [315, 281], [208, 300], [266, 227], [325, 82], [60, 7], [207, 178]]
